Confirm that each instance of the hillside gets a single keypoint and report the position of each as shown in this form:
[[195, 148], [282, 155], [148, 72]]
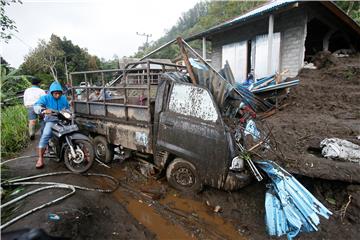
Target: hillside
[[203, 15], [206, 14]]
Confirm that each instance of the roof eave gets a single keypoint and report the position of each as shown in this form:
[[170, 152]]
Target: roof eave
[[342, 15]]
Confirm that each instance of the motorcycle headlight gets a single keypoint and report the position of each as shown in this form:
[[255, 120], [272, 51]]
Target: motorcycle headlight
[[66, 115], [237, 164]]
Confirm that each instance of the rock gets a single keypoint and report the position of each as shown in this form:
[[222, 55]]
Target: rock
[[217, 209]]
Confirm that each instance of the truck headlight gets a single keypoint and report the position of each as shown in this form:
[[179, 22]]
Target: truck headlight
[[237, 164]]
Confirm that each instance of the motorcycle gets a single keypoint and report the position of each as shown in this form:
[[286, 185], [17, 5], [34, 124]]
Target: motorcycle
[[69, 144]]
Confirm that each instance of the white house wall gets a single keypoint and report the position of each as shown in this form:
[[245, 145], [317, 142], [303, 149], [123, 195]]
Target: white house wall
[[292, 27]]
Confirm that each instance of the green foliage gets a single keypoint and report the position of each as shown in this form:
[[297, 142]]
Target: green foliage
[[76, 58], [14, 137], [10, 84], [110, 64], [200, 18], [351, 8], [46, 79], [7, 24], [54, 57], [45, 57]]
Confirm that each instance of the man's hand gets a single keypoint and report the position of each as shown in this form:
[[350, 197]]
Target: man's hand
[[46, 111]]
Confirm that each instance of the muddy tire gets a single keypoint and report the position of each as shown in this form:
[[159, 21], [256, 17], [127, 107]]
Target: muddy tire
[[182, 175], [103, 150], [84, 156]]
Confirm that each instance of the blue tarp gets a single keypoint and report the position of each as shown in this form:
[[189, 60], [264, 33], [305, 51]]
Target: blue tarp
[[290, 207]]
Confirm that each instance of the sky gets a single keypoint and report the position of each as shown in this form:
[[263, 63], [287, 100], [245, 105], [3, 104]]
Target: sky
[[104, 27]]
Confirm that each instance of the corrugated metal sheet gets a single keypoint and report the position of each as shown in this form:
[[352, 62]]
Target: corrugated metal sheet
[[236, 55], [273, 5], [261, 55], [277, 86], [290, 207]]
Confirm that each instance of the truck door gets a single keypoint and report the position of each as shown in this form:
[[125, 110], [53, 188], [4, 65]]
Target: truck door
[[191, 127]]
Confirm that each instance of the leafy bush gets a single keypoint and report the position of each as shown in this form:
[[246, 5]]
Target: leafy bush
[[12, 85], [14, 130]]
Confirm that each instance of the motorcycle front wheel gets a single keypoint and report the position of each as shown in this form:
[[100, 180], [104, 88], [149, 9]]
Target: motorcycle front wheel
[[84, 158]]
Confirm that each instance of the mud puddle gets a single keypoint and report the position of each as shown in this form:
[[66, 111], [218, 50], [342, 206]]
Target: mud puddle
[[145, 214], [168, 214], [205, 215]]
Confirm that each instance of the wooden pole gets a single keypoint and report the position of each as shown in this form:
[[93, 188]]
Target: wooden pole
[[186, 60]]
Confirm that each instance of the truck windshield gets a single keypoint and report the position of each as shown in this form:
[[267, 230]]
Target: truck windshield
[[192, 101]]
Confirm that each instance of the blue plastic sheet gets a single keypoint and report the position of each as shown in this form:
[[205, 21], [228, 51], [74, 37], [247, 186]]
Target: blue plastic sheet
[[290, 207]]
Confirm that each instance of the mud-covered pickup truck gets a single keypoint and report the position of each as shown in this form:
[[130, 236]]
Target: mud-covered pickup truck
[[152, 108]]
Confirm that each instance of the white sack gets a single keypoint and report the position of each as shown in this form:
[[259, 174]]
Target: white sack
[[340, 149]]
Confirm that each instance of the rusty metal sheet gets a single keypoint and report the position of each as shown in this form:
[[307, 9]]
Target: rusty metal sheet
[[132, 137], [116, 112], [97, 109], [80, 107], [138, 114]]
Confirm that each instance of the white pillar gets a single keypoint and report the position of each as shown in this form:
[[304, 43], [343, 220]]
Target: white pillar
[[204, 48], [326, 40], [270, 43]]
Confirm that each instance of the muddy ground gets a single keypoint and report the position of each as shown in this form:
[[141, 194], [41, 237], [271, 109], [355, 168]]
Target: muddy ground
[[325, 104]]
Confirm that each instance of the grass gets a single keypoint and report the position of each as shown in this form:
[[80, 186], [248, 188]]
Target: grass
[[14, 130], [14, 137]]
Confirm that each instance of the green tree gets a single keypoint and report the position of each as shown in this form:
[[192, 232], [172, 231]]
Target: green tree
[[351, 8], [77, 58], [56, 58], [7, 24], [11, 83], [110, 64], [44, 58]]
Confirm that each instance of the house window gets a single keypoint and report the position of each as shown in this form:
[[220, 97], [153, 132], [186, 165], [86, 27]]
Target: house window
[[236, 55]]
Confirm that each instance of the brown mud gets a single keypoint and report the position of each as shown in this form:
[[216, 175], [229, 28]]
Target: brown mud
[[325, 104]]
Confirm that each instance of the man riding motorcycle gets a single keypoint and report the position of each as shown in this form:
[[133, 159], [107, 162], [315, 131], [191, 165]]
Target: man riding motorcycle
[[53, 101]]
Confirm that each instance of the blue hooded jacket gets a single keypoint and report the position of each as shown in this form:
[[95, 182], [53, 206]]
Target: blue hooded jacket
[[49, 102]]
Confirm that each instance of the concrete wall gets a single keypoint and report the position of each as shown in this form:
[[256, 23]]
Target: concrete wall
[[292, 27]]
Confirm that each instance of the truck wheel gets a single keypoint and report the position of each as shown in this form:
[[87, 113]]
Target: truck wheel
[[183, 176], [84, 159], [103, 150]]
